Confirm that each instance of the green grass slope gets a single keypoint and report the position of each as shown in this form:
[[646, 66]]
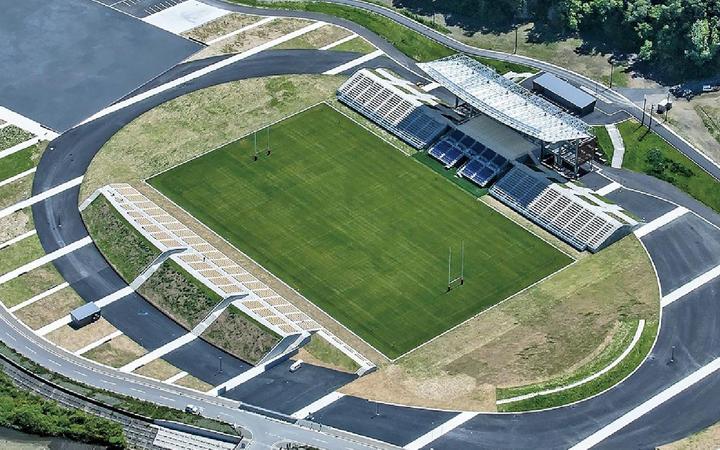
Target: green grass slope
[[360, 229]]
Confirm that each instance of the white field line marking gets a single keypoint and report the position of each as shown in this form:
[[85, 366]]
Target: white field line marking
[[241, 30], [339, 42], [49, 328], [27, 124], [158, 353], [176, 377], [99, 342], [40, 197], [115, 296], [204, 71], [18, 147], [440, 431], [647, 406], [355, 62], [690, 286], [40, 296], [317, 405], [618, 360], [612, 187], [45, 259], [660, 221], [17, 239], [14, 178]]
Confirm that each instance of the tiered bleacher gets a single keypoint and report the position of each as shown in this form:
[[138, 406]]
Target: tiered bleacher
[[570, 212], [483, 163], [394, 104]]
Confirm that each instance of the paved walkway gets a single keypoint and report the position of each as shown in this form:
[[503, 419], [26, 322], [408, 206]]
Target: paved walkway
[[618, 146]]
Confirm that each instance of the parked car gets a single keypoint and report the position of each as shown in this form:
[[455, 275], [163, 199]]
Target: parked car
[[296, 365]]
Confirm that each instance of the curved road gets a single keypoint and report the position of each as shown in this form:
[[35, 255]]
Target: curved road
[[677, 249]]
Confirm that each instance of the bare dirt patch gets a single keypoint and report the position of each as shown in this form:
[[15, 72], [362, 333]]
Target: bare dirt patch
[[686, 118], [541, 333], [252, 38], [708, 439], [16, 224], [117, 352], [73, 340], [50, 308], [158, 370], [191, 382], [222, 26]]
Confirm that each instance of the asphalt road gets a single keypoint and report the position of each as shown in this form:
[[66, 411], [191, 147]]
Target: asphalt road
[[690, 324]]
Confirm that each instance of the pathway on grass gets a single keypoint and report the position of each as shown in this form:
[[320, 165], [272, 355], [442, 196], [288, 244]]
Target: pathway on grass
[[618, 145]]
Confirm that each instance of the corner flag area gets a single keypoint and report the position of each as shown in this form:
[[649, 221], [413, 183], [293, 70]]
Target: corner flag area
[[359, 228]]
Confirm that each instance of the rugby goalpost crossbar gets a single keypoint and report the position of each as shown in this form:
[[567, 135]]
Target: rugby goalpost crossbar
[[459, 280]]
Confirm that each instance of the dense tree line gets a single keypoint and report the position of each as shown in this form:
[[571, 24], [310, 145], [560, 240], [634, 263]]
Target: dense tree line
[[673, 32], [32, 414]]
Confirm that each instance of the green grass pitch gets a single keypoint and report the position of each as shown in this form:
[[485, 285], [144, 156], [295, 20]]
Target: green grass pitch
[[360, 229]]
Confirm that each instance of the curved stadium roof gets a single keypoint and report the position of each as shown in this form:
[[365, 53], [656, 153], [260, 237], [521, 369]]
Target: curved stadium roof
[[505, 101]]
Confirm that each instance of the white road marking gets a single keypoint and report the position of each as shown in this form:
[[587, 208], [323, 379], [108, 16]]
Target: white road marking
[[81, 374], [355, 62], [158, 353], [31, 350], [608, 368], [317, 405], [237, 381], [167, 398], [99, 342], [339, 42], [612, 187], [690, 286], [241, 30], [204, 71], [108, 382], [40, 197], [647, 406], [19, 147], [431, 87], [115, 296], [27, 124], [14, 178], [185, 16], [17, 239], [38, 297], [175, 377], [52, 361], [440, 431], [45, 259], [660, 221]]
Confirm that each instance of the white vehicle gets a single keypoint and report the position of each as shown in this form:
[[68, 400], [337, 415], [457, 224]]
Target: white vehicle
[[192, 409], [296, 365]]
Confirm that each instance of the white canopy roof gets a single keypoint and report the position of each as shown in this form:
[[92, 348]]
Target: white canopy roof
[[505, 100]]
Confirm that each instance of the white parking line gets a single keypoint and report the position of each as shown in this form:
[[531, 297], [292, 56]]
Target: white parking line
[[49, 328], [237, 381], [339, 42], [431, 86], [317, 405], [115, 296], [690, 286], [38, 297], [612, 187], [440, 431], [99, 342], [355, 62], [40, 197], [158, 353], [241, 30], [647, 406], [204, 71], [660, 221], [17, 239], [45, 259], [14, 178]]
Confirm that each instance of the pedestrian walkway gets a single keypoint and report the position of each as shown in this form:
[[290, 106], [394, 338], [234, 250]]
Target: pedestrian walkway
[[618, 146]]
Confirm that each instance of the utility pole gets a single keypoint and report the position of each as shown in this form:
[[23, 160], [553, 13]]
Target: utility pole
[[462, 263], [516, 39], [268, 141], [255, 158], [449, 269], [612, 70], [651, 117], [642, 122]]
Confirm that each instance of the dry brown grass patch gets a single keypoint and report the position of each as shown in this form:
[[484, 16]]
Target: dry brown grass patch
[[222, 26], [191, 382], [73, 340], [117, 352], [158, 370], [50, 308]]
